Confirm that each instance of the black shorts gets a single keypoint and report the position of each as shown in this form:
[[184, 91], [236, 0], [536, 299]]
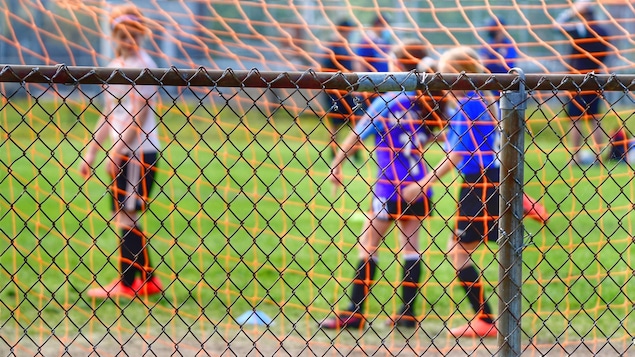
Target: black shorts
[[131, 189], [399, 209], [478, 208]]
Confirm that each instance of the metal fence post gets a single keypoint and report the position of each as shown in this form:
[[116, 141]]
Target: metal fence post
[[512, 105]]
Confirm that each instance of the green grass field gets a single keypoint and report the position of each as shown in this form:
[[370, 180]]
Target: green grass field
[[243, 218]]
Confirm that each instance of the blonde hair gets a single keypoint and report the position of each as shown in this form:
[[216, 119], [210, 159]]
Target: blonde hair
[[465, 59], [409, 53], [461, 59], [128, 18]]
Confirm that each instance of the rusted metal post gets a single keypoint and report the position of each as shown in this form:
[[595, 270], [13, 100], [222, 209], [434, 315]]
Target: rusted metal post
[[512, 105]]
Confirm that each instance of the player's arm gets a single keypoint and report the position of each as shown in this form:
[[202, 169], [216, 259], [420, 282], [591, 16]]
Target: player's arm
[[346, 148], [96, 143], [416, 189], [362, 130], [454, 155], [452, 159], [569, 20]]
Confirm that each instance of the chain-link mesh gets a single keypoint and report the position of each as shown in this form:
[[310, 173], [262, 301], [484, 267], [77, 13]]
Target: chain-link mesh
[[254, 248]]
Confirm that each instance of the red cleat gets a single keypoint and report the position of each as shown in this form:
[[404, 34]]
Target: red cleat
[[476, 328], [344, 320], [534, 210], [146, 288], [114, 289]]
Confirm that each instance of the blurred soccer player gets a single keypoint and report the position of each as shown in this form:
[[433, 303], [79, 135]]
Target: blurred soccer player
[[339, 104], [499, 55], [131, 157], [472, 141], [398, 123], [372, 55], [588, 53]]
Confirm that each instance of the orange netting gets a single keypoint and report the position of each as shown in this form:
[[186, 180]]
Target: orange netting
[[202, 211]]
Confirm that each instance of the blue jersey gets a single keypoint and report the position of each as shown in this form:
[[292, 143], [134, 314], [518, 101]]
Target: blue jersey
[[396, 121], [491, 56], [375, 52], [474, 133], [340, 60]]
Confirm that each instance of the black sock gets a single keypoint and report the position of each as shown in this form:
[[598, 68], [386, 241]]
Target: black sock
[[361, 284], [471, 281], [134, 256], [410, 284]]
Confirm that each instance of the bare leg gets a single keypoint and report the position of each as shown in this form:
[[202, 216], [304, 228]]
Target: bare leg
[[470, 278]]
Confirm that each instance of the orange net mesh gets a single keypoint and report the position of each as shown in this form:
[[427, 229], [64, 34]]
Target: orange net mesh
[[203, 214]]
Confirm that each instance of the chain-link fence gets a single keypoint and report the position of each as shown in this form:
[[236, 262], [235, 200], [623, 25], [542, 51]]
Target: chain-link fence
[[246, 244]]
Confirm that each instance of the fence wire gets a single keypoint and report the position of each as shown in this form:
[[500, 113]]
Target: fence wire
[[248, 247]]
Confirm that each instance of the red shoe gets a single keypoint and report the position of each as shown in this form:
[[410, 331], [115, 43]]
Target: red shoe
[[476, 328], [534, 210], [114, 289], [146, 288], [344, 320]]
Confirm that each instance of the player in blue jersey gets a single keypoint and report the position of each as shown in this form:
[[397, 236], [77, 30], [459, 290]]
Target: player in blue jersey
[[472, 143], [500, 53], [372, 55], [398, 122], [373, 49], [499, 56]]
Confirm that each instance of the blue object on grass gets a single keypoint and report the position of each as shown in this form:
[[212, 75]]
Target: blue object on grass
[[254, 317]]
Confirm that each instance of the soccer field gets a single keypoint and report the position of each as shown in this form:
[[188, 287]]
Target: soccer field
[[243, 218]]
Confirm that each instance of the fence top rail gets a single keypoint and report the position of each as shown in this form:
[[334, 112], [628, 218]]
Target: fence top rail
[[365, 81]]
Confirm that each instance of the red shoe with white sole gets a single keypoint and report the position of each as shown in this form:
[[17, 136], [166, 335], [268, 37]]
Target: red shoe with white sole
[[114, 289], [146, 288], [476, 328]]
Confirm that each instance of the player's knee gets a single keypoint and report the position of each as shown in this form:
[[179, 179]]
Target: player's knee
[[366, 249], [125, 217]]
